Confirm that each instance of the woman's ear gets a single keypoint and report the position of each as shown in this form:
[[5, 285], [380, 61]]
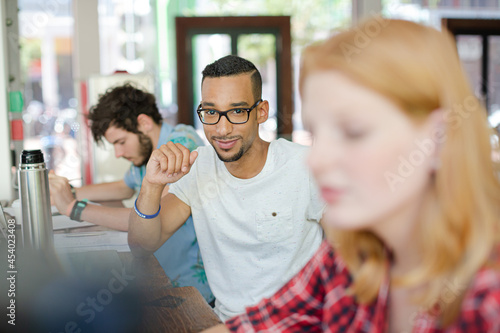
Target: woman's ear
[[144, 123], [262, 111]]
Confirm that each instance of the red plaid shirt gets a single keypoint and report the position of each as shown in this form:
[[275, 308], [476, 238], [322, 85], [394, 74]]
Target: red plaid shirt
[[315, 300]]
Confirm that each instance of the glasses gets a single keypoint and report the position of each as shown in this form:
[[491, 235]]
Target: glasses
[[234, 116]]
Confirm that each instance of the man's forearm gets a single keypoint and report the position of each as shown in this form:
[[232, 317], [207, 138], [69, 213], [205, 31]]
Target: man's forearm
[[110, 217], [105, 191], [145, 234]]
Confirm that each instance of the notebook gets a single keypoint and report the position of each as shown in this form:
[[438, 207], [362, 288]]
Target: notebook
[[59, 222]]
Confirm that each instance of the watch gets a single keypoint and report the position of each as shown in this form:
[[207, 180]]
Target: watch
[[76, 212]]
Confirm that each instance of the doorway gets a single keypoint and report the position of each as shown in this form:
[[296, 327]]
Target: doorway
[[264, 40], [478, 45]]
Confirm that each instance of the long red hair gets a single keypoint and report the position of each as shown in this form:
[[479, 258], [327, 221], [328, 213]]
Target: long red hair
[[418, 68]]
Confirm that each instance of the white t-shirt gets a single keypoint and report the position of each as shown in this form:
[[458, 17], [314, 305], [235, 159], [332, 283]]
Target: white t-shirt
[[254, 234]]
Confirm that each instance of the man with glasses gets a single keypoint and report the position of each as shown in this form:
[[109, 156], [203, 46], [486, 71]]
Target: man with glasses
[[255, 206]]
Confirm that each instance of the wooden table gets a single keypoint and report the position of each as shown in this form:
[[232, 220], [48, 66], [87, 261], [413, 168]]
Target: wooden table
[[167, 309], [97, 291], [162, 307]]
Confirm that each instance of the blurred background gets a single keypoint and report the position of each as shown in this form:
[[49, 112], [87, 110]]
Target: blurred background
[[61, 54]]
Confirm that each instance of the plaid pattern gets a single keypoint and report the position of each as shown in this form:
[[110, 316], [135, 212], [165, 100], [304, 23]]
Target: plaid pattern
[[315, 300]]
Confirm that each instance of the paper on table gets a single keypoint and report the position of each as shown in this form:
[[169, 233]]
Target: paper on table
[[58, 221], [63, 222], [92, 241]]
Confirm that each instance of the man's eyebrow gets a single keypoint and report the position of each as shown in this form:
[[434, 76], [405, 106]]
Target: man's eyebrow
[[236, 104], [240, 104], [116, 141]]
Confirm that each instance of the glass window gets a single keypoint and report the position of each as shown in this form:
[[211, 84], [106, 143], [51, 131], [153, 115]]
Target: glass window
[[50, 116], [261, 50], [470, 51], [494, 73], [127, 34], [494, 81]]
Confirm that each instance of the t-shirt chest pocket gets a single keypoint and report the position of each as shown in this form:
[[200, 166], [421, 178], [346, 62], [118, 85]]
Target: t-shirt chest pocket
[[274, 225]]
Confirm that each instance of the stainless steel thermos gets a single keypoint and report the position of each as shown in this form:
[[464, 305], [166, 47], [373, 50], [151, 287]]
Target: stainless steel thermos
[[35, 201]]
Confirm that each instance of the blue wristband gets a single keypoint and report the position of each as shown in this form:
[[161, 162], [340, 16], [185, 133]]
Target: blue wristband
[[144, 216]]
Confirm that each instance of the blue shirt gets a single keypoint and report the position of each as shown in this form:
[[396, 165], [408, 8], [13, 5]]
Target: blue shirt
[[180, 255]]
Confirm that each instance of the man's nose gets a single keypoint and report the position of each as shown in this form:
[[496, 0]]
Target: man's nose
[[224, 127], [118, 152]]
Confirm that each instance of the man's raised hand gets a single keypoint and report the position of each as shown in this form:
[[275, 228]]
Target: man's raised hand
[[169, 163]]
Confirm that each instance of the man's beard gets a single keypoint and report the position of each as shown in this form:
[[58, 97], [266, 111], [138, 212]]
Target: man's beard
[[233, 158], [146, 148]]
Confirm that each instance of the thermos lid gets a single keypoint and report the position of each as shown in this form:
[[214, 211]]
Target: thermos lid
[[31, 156]]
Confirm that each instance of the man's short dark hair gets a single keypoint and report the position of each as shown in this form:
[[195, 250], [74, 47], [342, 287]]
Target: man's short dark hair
[[233, 65], [120, 106]]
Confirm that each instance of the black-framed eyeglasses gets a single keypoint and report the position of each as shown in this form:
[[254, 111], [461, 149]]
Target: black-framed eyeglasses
[[234, 116]]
